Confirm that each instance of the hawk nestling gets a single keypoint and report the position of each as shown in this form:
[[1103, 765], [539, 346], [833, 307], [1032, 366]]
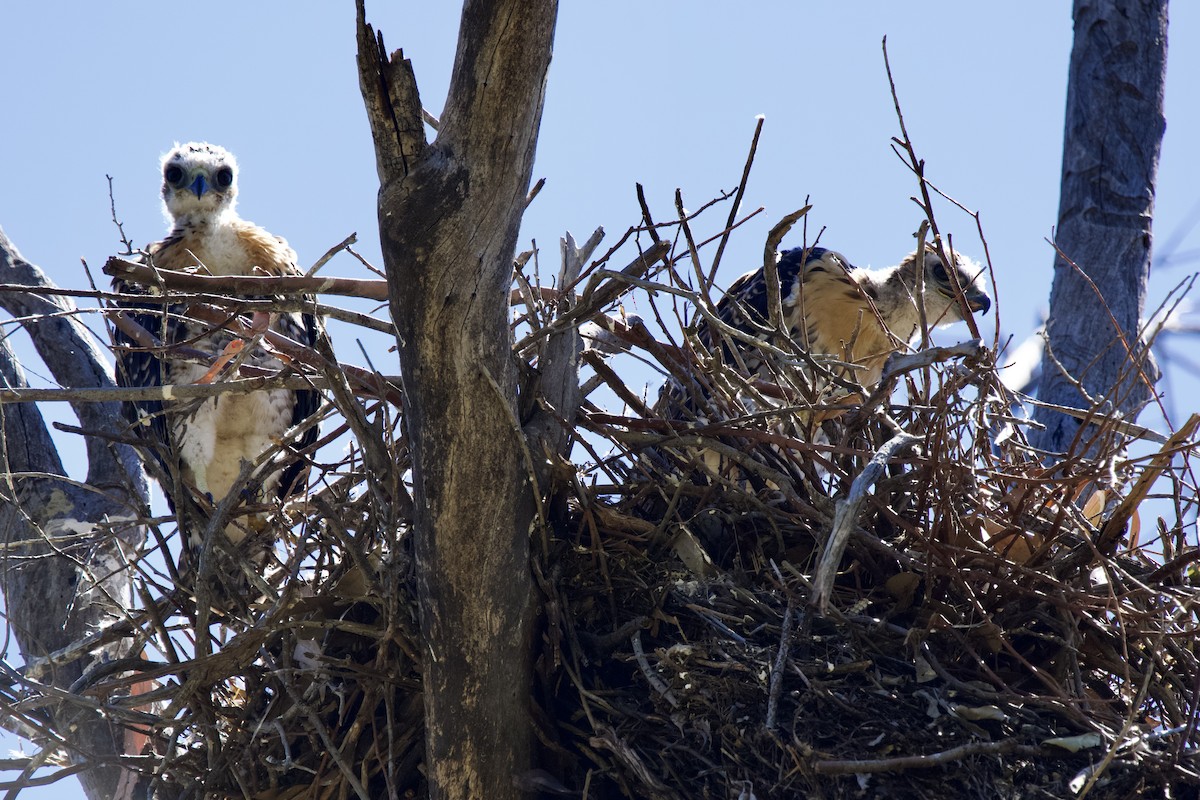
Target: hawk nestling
[[212, 437], [859, 316]]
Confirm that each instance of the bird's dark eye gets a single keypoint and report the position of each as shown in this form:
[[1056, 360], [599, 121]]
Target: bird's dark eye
[[939, 272], [224, 178], [173, 175]]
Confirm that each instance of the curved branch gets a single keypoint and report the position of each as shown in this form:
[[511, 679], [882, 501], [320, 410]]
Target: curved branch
[[71, 353]]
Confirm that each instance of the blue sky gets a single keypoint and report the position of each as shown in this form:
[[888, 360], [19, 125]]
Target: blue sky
[[661, 93]]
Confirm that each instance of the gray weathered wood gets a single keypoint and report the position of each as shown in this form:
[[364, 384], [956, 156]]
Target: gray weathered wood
[[449, 214], [61, 572], [1114, 128]]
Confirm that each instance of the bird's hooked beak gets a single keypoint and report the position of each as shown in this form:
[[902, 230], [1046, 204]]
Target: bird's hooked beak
[[199, 186], [978, 302]]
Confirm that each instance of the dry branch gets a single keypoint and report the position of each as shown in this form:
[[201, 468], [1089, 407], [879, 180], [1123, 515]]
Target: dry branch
[[244, 285]]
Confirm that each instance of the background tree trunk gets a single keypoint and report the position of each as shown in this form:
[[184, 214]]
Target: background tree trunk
[[1114, 129], [449, 215], [64, 573]]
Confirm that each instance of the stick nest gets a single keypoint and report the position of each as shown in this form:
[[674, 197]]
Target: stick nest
[[994, 627], [995, 624]]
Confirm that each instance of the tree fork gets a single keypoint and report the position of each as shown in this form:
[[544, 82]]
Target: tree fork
[[449, 216]]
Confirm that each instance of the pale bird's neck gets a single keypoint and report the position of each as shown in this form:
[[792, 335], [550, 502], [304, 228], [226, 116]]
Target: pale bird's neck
[[212, 240], [896, 301], [202, 222]]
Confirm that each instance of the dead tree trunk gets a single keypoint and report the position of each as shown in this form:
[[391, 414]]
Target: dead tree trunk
[[63, 572], [1114, 128], [449, 214]]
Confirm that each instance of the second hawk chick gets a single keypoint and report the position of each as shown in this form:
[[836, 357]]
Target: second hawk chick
[[858, 316], [851, 319]]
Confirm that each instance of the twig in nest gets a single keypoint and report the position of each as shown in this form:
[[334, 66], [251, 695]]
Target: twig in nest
[[112, 206], [654, 681], [737, 199], [245, 285], [771, 265], [860, 766], [1111, 532], [847, 515], [917, 166], [776, 686], [899, 363], [330, 253]]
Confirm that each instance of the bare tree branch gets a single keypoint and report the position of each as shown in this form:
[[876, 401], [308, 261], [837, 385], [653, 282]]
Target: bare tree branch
[[244, 285]]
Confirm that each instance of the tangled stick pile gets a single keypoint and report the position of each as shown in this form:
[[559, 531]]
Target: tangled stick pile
[[996, 624], [885, 594]]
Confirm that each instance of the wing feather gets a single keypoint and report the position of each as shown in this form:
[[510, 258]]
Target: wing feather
[[139, 365], [301, 328]]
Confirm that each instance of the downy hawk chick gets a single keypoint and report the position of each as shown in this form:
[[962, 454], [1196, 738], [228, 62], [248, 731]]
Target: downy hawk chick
[[211, 437]]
